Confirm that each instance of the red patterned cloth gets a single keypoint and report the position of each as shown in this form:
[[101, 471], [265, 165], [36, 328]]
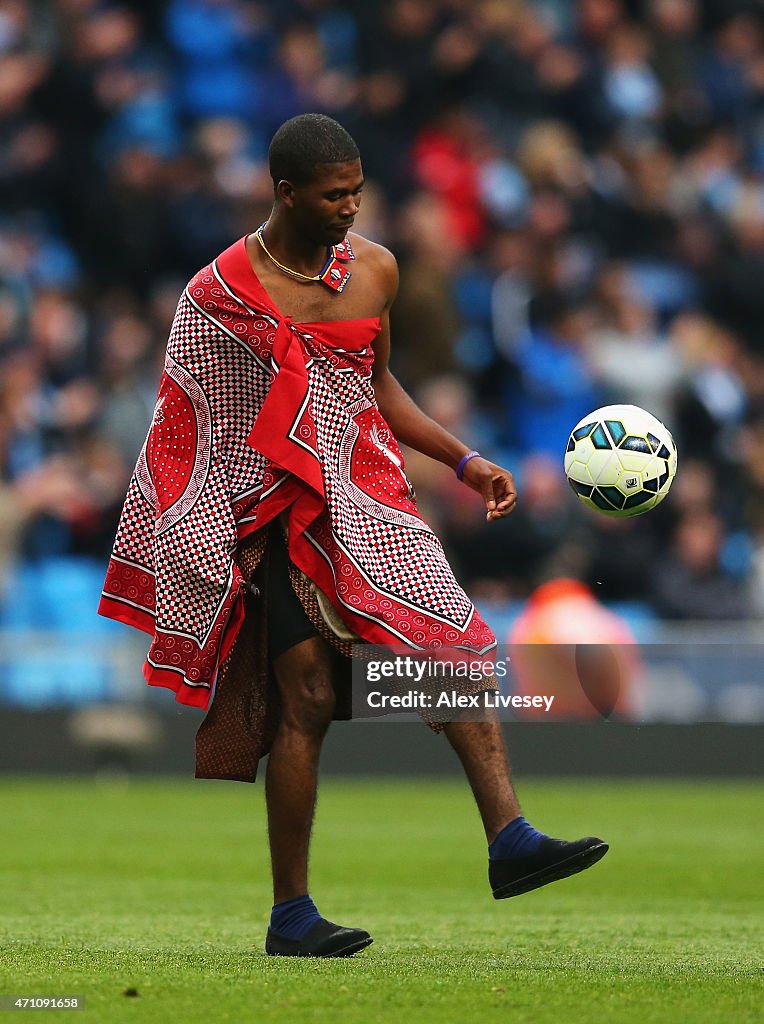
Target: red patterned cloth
[[257, 414]]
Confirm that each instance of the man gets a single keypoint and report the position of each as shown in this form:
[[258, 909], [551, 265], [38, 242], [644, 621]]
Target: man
[[274, 440]]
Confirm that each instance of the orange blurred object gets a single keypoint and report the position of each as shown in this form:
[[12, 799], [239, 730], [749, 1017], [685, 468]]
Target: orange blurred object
[[565, 643]]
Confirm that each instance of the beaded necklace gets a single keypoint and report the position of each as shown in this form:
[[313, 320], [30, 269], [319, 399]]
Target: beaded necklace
[[334, 275]]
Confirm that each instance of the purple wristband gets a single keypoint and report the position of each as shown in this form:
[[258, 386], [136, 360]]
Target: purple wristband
[[463, 462]]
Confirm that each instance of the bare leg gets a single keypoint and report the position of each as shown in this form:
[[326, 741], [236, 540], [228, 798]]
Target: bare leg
[[304, 677], [480, 746]]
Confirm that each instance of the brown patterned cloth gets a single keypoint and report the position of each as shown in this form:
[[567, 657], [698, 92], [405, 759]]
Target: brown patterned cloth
[[242, 721]]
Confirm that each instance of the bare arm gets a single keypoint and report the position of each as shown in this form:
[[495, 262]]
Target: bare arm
[[414, 428]]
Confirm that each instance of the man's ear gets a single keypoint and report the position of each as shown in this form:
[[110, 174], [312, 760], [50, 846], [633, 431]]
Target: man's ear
[[285, 191]]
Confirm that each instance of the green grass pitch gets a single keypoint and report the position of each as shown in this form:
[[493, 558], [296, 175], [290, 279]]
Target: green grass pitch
[[162, 886]]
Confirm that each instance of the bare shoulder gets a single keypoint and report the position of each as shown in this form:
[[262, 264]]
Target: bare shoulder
[[378, 259]]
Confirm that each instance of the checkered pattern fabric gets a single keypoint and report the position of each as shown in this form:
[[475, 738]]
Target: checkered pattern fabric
[[258, 415]]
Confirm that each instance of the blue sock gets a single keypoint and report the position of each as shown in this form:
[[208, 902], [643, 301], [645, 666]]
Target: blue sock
[[294, 918], [517, 839]]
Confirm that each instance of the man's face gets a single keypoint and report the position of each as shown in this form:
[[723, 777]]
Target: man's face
[[324, 209]]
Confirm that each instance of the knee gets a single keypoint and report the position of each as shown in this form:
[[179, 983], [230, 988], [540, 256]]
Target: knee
[[308, 697]]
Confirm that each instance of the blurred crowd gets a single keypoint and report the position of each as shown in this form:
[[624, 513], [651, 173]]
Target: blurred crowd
[[575, 192]]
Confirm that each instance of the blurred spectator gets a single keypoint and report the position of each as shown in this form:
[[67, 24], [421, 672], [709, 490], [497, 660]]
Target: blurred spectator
[[446, 161], [735, 46], [554, 388], [222, 49], [711, 407], [632, 362], [631, 86], [693, 584], [677, 51], [425, 318]]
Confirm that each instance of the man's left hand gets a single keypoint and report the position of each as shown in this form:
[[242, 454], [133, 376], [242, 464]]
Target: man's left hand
[[495, 484]]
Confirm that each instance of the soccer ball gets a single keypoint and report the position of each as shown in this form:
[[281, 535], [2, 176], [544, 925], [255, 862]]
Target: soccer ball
[[620, 460]]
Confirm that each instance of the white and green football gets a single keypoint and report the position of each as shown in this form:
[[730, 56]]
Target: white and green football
[[620, 460]]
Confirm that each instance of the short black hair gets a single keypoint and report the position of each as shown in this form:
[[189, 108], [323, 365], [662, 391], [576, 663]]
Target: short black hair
[[303, 143]]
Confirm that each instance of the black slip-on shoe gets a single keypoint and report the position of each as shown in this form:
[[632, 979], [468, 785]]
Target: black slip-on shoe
[[323, 939], [553, 859]]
